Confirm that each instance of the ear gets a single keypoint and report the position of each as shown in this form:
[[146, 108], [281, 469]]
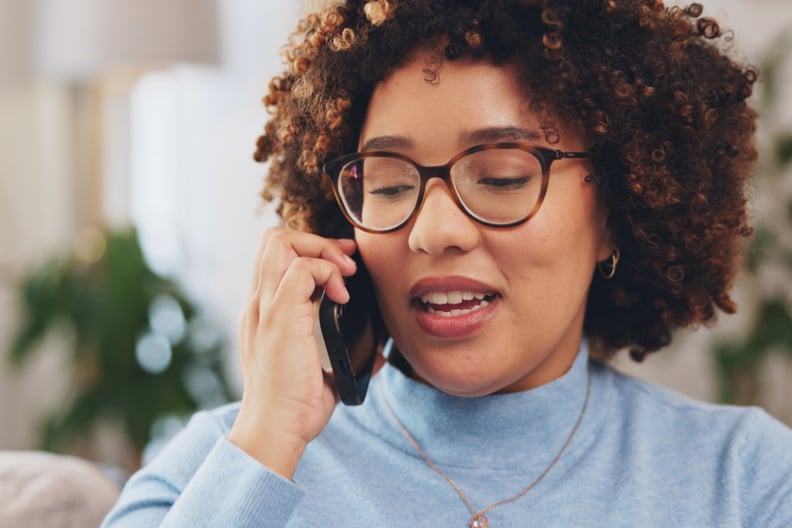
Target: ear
[[607, 245]]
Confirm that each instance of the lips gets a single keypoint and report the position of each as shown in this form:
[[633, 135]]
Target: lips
[[452, 307]]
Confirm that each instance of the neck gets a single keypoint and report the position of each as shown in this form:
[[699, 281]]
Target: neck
[[450, 427]]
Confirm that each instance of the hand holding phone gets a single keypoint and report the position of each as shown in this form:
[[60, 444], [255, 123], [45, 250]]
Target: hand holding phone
[[287, 399]]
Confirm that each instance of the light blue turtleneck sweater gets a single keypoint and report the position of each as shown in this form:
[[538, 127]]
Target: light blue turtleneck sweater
[[642, 456]]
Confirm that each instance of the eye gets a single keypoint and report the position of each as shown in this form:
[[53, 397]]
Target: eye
[[388, 178], [505, 184], [391, 190]]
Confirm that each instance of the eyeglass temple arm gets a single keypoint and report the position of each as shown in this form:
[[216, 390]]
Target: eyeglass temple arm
[[560, 154]]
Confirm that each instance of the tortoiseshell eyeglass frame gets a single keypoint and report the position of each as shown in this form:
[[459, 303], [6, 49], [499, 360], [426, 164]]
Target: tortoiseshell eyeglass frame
[[545, 156]]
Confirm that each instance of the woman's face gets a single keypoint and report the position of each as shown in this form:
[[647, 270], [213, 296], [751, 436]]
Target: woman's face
[[536, 275]]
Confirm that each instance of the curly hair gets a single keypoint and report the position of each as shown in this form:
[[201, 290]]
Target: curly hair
[[651, 88]]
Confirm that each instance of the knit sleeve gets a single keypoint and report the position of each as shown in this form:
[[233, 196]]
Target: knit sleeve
[[767, 473], [202, 479]]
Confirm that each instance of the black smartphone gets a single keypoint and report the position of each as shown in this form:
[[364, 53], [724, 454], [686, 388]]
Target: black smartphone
[[352, 332]]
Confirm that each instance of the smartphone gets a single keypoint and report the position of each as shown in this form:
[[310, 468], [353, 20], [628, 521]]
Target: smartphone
[[352, 333]]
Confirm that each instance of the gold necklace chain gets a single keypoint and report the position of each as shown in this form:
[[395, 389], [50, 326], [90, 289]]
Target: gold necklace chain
[[479, 518]]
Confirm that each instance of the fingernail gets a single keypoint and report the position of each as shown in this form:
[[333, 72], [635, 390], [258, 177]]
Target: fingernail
[[349, 260]]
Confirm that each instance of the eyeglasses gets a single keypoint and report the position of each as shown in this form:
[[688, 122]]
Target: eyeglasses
[[496, 184]]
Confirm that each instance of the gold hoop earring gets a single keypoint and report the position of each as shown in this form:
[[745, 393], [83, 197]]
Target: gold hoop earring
[[607, 267]]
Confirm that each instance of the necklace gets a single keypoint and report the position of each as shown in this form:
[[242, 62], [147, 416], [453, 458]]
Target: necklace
[[479, 518]]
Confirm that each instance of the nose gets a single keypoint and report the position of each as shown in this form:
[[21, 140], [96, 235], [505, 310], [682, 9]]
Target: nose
[[440, 225]]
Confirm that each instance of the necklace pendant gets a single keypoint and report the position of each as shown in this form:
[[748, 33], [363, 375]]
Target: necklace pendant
[[479, 521]]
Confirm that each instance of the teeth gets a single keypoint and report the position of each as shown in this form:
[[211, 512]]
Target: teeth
[[455, 313], [435, 299], [452, 297]]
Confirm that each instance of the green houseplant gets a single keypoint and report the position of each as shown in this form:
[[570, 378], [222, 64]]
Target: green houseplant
[[139, 348]]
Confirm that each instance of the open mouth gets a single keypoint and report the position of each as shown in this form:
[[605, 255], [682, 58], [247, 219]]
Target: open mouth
[[455, 303]]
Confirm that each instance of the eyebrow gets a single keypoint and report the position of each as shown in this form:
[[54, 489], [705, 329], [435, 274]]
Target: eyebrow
[[474, 137], [495, 134], [387, 143]]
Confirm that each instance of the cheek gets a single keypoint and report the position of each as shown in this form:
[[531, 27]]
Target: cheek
[[551, 252], [384, 258], [380, 254], [369, 249], [572, 228]]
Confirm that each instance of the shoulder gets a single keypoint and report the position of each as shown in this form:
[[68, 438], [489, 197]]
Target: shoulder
[[641, 414], [644, 401], [737, 452]]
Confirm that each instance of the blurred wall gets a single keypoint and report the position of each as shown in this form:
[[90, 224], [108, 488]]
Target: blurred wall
[[37, 214]]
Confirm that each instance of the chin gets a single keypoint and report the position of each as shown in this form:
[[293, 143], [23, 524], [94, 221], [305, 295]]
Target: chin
[[471, 383]]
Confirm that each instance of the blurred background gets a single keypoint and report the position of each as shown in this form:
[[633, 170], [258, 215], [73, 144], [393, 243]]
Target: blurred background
[[130, 217]]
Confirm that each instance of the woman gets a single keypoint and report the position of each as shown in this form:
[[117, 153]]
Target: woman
[[530, 184]]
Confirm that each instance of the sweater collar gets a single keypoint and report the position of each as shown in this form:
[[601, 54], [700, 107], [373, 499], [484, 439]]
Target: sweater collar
[[449, 428]]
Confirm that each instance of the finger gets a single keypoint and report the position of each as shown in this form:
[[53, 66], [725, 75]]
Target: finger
[[248, 322], [345, 245], [282, 246], [264, 253], [302, 278], [242, 323], [254, 279], [336, 250]]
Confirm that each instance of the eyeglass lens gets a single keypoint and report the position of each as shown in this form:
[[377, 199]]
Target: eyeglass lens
[[498, 186]]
